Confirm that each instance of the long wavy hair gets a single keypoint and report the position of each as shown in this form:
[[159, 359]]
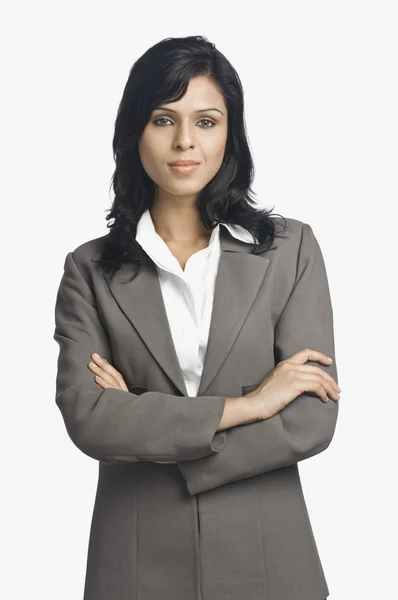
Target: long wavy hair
[[162, 75]]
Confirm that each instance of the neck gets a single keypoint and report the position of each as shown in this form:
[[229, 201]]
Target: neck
[[178, 223]]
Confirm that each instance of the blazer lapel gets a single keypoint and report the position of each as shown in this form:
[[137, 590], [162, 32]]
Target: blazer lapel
[[240, 275]]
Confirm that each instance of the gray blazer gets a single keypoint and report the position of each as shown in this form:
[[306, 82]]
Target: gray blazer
[[228, 520]]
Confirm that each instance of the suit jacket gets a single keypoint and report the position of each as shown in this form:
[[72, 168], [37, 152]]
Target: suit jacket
[[228, 519]]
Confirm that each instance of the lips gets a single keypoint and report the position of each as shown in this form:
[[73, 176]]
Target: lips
[[183, 163], [185, 169]]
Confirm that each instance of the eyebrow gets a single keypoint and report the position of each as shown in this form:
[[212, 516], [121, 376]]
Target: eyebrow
[[198, 111]]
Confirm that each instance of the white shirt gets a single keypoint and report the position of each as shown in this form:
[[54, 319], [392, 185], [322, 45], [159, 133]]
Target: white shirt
[[187, 294]]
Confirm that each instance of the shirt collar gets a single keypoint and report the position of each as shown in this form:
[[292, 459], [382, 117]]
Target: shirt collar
[[148, 238]]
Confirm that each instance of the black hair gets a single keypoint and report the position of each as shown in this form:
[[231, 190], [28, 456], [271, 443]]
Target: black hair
[[162, 75]]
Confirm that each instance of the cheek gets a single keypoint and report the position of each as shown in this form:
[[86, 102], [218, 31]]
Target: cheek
[[151, 154], [215, 155], [216, 147]]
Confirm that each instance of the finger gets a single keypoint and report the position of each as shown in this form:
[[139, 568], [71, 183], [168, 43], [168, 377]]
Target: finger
[[110, 381], [309, 383], [302, 356], [105, 366], [109, 369], [331, 391], [105, 384], [315, 383], [104, 375], [319, 371], [102, 383], [329, 388], [106, 378]]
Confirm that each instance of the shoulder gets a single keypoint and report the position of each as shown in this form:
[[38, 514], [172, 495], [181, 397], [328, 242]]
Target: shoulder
[[89, 249], [294, 250], [294, 227], [294, 253], [292, 235], [84, 254]]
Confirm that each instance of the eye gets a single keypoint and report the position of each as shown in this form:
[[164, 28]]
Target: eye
[[156, 122], [209, 121]]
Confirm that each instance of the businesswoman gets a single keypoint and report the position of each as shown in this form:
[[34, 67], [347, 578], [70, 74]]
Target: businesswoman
[[196, 354]]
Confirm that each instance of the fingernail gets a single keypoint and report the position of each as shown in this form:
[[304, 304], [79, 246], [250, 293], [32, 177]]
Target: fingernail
[[330, 358], [96, 355]]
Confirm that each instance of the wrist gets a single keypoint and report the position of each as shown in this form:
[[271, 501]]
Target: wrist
[[250, 408]]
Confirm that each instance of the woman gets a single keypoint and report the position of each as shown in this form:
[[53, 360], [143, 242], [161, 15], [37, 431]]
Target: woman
[[193, 354]]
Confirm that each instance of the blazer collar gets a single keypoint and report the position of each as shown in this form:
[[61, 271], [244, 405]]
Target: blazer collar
[[240, 275]]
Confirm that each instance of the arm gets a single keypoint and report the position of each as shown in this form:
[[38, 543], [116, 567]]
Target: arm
[[237, 411], [112, 425], [304, 427]]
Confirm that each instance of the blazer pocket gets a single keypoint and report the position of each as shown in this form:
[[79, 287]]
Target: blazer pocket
[[246, 389], [137, 389]]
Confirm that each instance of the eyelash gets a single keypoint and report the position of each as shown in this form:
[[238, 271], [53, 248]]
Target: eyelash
[[167, 119]]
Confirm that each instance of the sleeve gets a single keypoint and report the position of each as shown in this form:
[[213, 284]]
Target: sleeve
[[303, 428], [111, 425]]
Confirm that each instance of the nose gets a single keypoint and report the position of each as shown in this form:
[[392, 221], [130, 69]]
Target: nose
[[184, 137]]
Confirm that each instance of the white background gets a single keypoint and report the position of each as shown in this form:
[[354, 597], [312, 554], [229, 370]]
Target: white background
[[321, 98]]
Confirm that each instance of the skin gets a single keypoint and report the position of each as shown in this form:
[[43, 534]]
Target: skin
[[185, 135]]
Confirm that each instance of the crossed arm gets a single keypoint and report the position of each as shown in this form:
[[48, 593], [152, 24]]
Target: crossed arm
[[106, 376], [116, 426]]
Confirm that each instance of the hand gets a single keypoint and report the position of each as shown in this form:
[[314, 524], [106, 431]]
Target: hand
[[290, 378], [106, 375]]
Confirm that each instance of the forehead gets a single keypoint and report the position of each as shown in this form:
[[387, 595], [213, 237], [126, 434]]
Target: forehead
[[201, 95]]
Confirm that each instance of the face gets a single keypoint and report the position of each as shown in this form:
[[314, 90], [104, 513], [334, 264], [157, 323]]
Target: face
[[190, 129]]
